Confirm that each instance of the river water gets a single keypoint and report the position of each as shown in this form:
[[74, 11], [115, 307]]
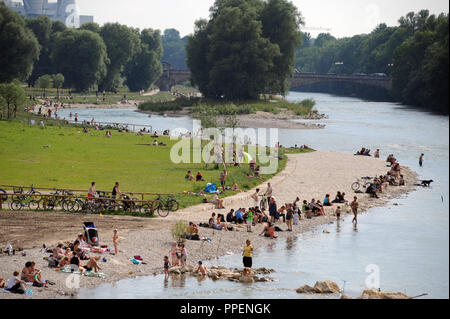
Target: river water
[[405, 247]]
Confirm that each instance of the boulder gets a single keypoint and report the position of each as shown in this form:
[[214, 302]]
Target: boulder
[[345, 296], [326, 287], [246, 279], [306, 289], [376, 294], [176, 270]]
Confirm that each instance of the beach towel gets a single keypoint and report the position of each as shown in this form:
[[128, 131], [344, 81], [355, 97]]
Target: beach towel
[[135, 261], [95, 274], [29, 292], [211, 188]]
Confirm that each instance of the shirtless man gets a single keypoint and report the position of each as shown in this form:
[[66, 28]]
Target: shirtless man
[[354, 205]]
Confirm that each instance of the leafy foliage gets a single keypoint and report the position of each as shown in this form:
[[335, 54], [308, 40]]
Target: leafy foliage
[[145, 67], [415, 54], [80, 55], [19, 48], [122, 44], [237, 54]]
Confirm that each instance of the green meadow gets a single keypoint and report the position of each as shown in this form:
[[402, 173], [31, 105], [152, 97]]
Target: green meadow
[[65, 157]]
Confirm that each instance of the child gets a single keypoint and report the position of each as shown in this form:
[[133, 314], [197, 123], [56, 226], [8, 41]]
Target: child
[[201, 269], [115, 238], [249, 220], [166, 265], [296, 217], [183, 255], [15, 285], [338, 213], [173, 252]]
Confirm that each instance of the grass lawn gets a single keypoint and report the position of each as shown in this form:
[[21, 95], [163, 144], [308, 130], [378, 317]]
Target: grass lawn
[[74, 159]]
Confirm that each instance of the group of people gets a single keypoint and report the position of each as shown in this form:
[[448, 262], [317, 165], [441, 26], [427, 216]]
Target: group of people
[[30, 275], [366, 152]]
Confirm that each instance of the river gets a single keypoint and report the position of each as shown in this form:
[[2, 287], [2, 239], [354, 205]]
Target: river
[[406, 243]]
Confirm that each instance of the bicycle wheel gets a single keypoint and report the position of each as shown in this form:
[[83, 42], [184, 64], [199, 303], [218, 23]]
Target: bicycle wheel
[[33, 205], [356, 186], [146, 209], [67, 205], [16, 205], [162, 210], [173, 205]]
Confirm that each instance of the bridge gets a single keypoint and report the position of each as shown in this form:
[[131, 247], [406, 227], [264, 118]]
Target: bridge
[[174, 77]]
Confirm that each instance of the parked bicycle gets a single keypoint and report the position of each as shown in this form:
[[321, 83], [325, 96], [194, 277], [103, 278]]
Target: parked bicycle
[[164, 206], [364, 181], [20, 200]]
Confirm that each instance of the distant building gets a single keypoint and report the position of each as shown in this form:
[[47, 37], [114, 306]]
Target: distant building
[[65, 11]]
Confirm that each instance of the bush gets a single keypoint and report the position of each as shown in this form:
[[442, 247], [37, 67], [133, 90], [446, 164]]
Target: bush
[[179, 231]]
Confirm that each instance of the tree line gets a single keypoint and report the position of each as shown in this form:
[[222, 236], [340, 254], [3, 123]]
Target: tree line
[[89, 57], [415, 54]]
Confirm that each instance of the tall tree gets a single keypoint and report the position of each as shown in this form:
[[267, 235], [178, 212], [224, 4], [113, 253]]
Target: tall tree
[[12, 97], [145, 67], [281, 25], [42, 29], [19, 48], [174, 49], [122, 44], [44, 82], [236, 54], [80, 55]]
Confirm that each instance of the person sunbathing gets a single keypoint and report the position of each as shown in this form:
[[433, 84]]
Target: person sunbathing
[[217, 201], [32, 275], [218, 226], [189, 176], [199, 177]]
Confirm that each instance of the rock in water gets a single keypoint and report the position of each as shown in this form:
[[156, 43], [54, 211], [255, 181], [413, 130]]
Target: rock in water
[[326, 287], [306, 289], [246, 279], [375, 294]]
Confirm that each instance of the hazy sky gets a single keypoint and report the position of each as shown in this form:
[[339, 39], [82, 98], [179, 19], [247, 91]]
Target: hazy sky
[[344, 17]]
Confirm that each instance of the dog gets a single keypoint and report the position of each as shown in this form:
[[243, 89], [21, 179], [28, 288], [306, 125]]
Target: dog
[[427, 183]]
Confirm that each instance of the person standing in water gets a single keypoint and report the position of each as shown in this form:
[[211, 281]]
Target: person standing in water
[[247, 255], [354, 205], [421, 160]]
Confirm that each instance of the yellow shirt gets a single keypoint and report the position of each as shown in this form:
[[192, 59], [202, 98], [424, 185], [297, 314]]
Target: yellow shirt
[[248, 251]]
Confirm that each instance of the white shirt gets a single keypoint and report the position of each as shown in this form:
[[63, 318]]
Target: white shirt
[[12, 282]]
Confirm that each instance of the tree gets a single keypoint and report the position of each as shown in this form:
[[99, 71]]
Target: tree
[[145, 67], [231, 57], [42, 29], [44, 82], [58, 82], [19, 48], [80, 55], [12, 96], [281, 25], [122, 44], [91, 26], [174, 49]]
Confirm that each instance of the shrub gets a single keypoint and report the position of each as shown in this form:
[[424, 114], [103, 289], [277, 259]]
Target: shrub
[[179, 231]]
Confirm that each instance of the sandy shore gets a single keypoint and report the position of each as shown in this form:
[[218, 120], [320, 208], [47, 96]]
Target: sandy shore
[[307, 176]]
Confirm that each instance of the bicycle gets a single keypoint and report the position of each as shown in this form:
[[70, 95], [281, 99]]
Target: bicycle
[[21, 200], [357, 185], [164, 207]]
